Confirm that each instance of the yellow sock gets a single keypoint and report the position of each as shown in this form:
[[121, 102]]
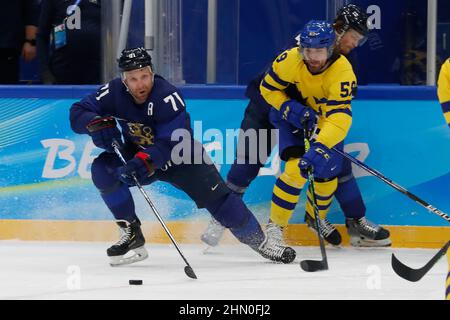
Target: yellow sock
[[286, 193], [324, 196], [447, 291]]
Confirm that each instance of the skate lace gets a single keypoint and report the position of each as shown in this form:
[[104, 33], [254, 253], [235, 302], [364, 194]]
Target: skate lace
[[368, 226], [326, 227], [124, 237], [274, 232], [273, 250]]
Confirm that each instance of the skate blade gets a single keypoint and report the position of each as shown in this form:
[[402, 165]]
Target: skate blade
[[139, 254], [366, 243], [207, 250], [210, 241]]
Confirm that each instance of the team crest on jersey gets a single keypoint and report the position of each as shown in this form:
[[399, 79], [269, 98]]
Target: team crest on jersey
[[141, 135]]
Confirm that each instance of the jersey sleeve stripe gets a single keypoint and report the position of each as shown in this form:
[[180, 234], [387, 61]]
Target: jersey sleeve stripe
[[268, 86], [341, 110], [332, 103], [276, 78], [446, 107]]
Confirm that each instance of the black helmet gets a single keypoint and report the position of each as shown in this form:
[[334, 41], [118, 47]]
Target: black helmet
[[351, 16], [132, 59]]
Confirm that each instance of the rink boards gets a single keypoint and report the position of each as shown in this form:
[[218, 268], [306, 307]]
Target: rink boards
[[46, 192]]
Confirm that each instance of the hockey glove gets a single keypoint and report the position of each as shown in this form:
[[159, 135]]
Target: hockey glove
[[141, 166], [322, 161], [298, 115], [103, 132]]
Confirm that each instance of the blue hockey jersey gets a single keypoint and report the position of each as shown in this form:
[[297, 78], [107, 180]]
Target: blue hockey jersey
[[148, 125]]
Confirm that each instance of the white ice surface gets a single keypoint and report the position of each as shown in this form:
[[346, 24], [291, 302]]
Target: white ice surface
[[48, 270]]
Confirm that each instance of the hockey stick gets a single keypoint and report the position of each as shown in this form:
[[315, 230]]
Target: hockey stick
[[394, 185], [414, 275], [314, 265], [187, 269]]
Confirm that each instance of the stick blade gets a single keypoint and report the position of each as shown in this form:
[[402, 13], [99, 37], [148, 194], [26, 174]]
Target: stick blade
[[313, 265], [415, 275], [406, 272], [190, 272]]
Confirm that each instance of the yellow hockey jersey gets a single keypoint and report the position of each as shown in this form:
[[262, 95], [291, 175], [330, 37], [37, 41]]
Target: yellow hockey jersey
[[444, 89], [329, 93]]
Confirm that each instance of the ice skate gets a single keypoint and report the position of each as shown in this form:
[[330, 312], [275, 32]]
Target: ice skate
[[364, 233], [274, 233], [269, 249], [213, 233], [328, 231], [130, 247]]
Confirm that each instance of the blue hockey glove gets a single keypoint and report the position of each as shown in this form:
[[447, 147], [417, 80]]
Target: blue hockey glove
[[324, 163], [103, 132], [298, 115], [141, 166]]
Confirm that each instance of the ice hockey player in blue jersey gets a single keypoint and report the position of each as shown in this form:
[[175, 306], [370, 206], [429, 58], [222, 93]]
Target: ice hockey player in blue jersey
[[148, 109]]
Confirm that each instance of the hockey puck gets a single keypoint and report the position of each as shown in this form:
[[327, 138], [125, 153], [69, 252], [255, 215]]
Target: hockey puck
[[135, 282]]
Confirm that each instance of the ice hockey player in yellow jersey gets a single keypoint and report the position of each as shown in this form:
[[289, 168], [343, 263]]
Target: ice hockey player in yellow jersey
[[444, 99], [444, 89], [323, 81], [447, 290], [351, 27]]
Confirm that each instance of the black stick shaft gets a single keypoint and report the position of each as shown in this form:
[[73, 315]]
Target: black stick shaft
[[324, 262], [394, 185], [316, 218]]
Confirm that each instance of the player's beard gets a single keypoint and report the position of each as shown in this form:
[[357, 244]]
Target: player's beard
[[316, 66]]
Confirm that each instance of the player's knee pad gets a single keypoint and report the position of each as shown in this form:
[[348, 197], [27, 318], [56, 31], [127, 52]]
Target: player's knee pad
[[241, 175], [230, 211], [103, 171], [115, 194]]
